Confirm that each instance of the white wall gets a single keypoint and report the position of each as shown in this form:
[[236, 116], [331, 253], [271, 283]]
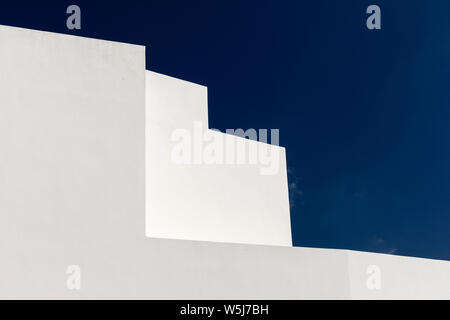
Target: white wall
[[210, 202], [72, 161], [400, 277]]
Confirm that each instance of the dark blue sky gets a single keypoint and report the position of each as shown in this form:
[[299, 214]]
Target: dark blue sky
[[364, 115]]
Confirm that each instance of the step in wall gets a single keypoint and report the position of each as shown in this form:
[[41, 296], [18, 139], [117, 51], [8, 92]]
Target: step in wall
[[85, 182]]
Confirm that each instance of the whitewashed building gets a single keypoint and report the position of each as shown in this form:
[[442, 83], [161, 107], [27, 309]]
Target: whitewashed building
[[92, 205]]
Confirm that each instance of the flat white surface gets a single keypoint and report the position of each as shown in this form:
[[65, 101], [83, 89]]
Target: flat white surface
[[72, 137], [210, 202], [401, 277]]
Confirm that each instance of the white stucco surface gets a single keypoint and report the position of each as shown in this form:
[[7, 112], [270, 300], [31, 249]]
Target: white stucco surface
[[73, 192], [211, 202]]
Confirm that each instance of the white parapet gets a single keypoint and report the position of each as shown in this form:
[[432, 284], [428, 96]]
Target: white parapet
[[74, 191], [222, 201]]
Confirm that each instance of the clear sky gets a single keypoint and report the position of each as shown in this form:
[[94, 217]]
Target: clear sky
[[364, 114]]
